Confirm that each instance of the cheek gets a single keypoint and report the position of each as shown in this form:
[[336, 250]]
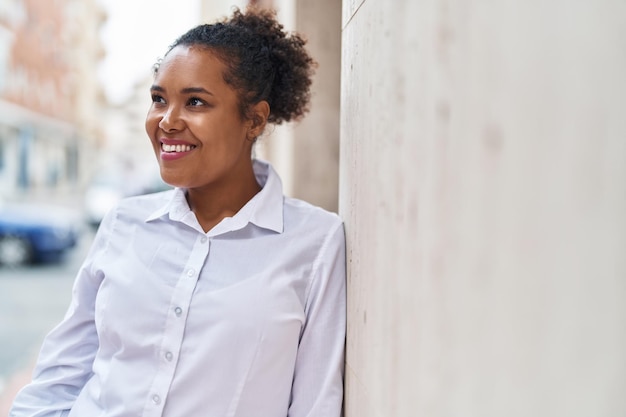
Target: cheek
[[151, 125]]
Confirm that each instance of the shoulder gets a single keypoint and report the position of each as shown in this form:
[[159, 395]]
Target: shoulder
[[129, 213], [138, 208], [147, 201], [300, 210], [307, 220]]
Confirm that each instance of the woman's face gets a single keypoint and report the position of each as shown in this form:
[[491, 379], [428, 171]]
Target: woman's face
[[194, 123]]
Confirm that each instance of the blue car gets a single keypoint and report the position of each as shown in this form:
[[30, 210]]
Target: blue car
[[34, 234]]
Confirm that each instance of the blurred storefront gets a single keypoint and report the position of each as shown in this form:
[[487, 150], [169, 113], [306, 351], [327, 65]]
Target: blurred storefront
[[49, 94]]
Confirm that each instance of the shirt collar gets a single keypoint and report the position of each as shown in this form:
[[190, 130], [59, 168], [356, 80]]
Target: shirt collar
[[268, 212], [265, 209]]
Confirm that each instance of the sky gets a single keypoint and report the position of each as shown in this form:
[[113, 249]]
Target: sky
[[135, 35]]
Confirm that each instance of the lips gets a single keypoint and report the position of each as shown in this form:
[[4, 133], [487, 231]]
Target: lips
[[173, 149], [176, 148]]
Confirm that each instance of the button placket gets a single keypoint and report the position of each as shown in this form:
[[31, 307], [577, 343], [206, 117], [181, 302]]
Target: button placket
[[176, 322]]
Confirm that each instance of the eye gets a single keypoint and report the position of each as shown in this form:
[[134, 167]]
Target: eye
[[195, 102], [158, 99]]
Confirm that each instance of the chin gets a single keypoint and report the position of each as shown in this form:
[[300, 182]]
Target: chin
[[172, 180]]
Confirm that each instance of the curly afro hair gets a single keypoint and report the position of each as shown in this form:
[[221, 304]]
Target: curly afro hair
[[263, 61]]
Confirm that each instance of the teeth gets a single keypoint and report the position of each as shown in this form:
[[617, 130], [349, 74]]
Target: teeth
[[176, 148]]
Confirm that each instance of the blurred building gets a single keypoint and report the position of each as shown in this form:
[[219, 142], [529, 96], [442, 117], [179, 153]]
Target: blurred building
[[49, 94], [128, 151]]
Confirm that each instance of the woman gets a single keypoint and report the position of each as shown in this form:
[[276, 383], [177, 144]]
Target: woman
[[221, 297]]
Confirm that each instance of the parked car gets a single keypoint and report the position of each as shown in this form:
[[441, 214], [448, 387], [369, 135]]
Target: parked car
[[35, 233]]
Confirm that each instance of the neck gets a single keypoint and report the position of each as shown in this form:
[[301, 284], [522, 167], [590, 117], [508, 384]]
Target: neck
[[212, 205]]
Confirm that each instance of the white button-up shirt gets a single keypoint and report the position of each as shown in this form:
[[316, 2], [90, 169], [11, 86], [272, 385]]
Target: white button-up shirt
[[246, 320]]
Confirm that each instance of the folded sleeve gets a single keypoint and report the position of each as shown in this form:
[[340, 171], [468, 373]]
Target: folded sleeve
[[65, 360], [317, 389]]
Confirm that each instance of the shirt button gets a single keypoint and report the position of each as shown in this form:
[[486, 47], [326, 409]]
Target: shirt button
[[178, 311], [169, 356], [203, 240], [156, 399], [190, 273]]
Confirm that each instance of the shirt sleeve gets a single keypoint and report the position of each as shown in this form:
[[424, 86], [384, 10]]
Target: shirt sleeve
[[65, 360], [317, 389]]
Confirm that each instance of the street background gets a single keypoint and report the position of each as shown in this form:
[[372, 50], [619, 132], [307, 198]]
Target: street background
[[475, 150]]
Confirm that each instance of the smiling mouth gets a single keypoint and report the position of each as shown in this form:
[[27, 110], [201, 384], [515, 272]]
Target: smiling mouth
[[176, 148]]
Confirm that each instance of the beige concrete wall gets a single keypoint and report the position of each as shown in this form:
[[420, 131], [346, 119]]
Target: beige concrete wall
[[483, 185]]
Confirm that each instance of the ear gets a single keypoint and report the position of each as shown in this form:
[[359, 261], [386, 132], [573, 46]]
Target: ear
[[258, 118]]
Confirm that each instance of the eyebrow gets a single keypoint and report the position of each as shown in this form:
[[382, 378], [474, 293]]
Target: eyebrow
[[187, 90]]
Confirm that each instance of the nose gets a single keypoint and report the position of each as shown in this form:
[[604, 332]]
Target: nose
[[171, 120]]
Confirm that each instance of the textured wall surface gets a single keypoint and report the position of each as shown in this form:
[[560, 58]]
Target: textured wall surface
[[483, 185]]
